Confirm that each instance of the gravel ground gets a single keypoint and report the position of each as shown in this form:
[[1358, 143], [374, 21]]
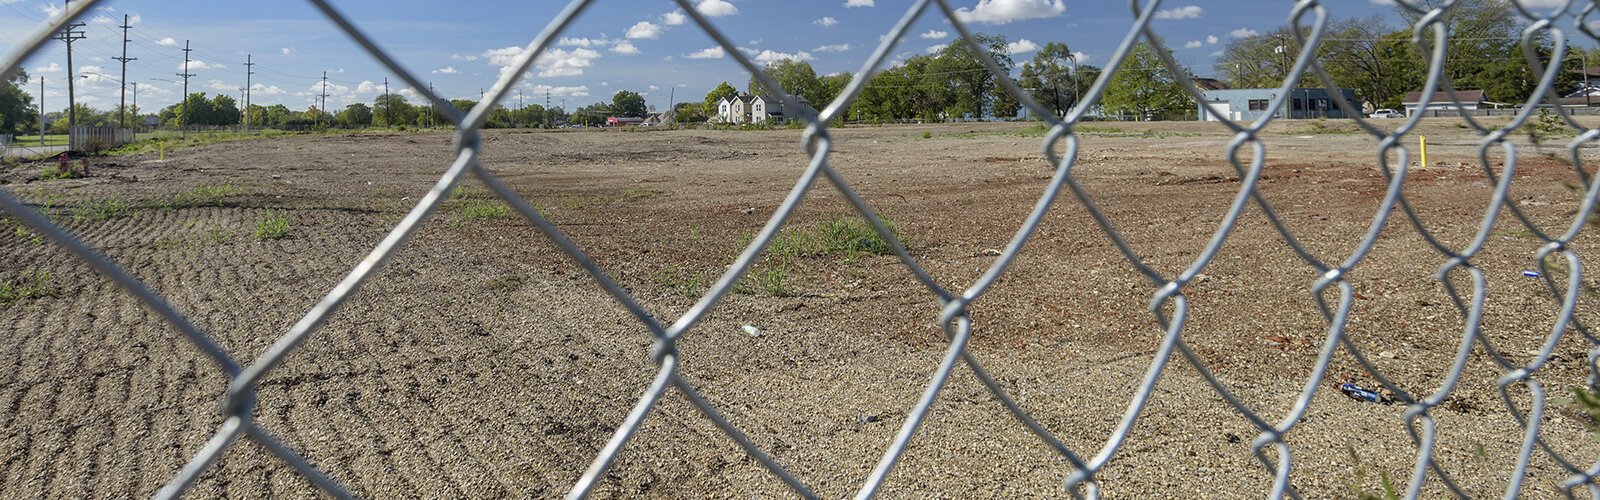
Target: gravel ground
[[481, 363]]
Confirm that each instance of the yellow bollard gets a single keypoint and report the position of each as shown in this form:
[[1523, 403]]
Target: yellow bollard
[[162, 146], [1422, 143]]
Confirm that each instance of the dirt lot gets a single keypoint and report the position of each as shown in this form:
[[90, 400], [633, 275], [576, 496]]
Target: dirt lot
[[482, 363]]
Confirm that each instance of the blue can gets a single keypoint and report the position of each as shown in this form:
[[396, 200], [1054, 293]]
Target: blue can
[[1358, 393], [1531, 274]]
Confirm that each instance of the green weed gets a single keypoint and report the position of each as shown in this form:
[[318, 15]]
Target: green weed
[[773, 281], [99, 210], [52, 172], [475, 209], [32, 285], [690, 285], [204, 195], [274, 226], [847, 237], [1358, 487]]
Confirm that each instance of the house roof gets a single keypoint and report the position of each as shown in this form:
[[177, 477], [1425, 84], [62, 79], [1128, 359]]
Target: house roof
[[1467, 96], [1209, 83]]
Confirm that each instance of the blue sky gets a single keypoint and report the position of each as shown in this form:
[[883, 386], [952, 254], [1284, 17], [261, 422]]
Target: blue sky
[[640, 45]]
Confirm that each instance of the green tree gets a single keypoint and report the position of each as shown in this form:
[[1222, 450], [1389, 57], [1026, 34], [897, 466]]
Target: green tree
[[354, 115], [87, 117], [224, 111], [628, 103], [797, 77], [1051, 78], [688, 112], [392, 109], [277, 116], [723, 90], [1144, 88], [968, 88], [17, 114], [593, 114]]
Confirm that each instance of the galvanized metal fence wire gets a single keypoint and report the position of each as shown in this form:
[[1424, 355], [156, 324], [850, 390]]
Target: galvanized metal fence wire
[[1169, 305]]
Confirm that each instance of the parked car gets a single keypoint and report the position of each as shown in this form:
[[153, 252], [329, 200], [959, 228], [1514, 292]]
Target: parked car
[[1386, 113]]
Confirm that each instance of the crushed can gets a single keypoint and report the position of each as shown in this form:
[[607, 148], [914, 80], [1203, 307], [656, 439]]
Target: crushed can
[[1358, 393]]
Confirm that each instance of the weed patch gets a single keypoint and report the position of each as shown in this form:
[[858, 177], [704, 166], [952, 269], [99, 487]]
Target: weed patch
[[32, 285], [204, 195], [847, 237], [274, 226], [100, 210]]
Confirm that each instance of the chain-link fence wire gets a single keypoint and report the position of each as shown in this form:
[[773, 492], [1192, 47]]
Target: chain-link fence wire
[[1169, 305]]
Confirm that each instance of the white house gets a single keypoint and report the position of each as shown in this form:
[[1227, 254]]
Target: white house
[[744, 109], [1471, 100]]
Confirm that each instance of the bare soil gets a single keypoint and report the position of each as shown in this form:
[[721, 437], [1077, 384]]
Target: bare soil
[[481, 362]]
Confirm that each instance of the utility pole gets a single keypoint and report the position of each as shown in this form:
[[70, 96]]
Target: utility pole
[[519, 99], [136, 102], [248, 70], [430, 105], [183, 109], [388, 114], [323, 108], [41, 111], [122, 109], [68, 35]]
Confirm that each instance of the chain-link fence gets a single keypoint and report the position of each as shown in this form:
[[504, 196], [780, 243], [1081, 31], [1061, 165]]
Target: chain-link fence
[[1169, 306]]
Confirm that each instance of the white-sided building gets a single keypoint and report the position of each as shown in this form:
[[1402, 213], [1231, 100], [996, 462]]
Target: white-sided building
[[1471, 100], [743, 109]]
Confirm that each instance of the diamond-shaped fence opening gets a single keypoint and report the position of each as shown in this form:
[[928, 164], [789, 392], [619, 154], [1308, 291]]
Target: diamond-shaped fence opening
[[1465, 287]]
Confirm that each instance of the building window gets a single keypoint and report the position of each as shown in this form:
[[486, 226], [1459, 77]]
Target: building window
[[1258, 105], [1297, 105]]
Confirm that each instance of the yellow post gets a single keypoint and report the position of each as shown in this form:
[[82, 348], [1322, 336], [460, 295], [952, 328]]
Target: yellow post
[[1422, 143], [162, 146]]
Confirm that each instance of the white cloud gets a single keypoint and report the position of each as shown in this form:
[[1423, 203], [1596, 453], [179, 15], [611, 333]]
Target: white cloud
[[859, 3], [551, 63], [1192, 44], [168, 41], [625, 47], [1184, 12], [674, 18], [934, 35], [1243, 33], [582, 42], [1006, 11], [99, 19], [711, 53], [505, 56], [936, 48], [447, 70], [286, 50], [557, 62], [1387, 3], [826, 21], [578, 91], [265, 89], [653, 87], [716, 8], [366, 86], [218, 85], [1080, 57], [197, 65], [459, 57], [767, 56], [644, 29], [832, 48], [1212, 40], [1021, 46], [52, 68]]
